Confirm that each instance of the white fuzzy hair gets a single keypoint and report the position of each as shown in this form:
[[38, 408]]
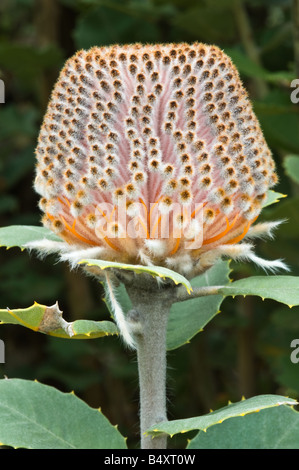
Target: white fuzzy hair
[[263, 229], [119, 316]]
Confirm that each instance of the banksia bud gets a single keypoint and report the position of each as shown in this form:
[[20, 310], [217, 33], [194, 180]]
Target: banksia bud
[[154, 155]]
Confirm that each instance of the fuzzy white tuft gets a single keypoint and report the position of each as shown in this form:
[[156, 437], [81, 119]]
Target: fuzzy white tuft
[[244, 252], [119, 316], [77, 255], [144, 258], [266, 265], [263, 230], [155, 246], [237, 252], [46, 247], [181, 263]]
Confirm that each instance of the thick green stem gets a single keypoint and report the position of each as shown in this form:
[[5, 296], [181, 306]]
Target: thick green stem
[[151, 310]]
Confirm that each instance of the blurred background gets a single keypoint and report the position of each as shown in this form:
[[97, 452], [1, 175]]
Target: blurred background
[[246, 349]]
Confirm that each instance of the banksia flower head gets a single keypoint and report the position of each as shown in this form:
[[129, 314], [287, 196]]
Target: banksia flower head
[[153, 155]]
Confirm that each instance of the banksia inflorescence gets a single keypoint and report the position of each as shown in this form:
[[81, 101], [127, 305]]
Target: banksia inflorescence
[[152, 154]]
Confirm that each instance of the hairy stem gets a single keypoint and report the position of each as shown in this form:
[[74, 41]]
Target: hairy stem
[[151, 310]]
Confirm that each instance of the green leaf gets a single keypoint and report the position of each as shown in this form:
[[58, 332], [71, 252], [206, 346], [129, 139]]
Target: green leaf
[[36, 416], [19, 235], [240, 408], [279, 120], [250, 69], [291, 165], [89, 329], [191, 316], [155, 271], [49, 320], [272, 428], [272, 198], [284, 289]]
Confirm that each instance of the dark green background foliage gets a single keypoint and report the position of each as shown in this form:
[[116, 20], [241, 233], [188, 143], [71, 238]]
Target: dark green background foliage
[[246, 349]]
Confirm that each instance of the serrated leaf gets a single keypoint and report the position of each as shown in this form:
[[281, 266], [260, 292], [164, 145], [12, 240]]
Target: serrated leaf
[[291, 165], [272, 428], [88, 329], [19, 235], [284, 289], [155, 271], [240, 408], [273, 197], [37, 416], [49, 320], [191, 316]]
